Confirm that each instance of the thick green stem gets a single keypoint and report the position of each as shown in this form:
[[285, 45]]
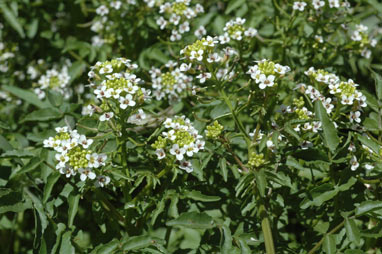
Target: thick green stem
[[267, 231]]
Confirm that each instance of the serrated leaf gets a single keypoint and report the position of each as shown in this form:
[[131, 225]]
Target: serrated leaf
[[192, 220], [329, 131]]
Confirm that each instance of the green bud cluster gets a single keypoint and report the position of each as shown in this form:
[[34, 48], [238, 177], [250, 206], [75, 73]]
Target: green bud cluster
[[256, 160], [77, 157], [178, 8], [347, 88], [267, 67], [233, 29], [299, 103], [117, 83], [183, 138], [314, 74], [159, 143], [196, 46], [300, 110], [168, 80], [116, 64], [62, 136], [54, 82], [213, 131], [104, 106]]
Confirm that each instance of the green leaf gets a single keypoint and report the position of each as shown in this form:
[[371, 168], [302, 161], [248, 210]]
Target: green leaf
[[140, 242], [352, 231], [52, 179], [25, 95], [223, 167], [233, 5], [227, 245], [330, 244], [4, 144], [44, 114], [329, 131], [192, 220], [369, 143], [368, 206], [30, 166], [17, 154], [378, 84], [261, 181], [60, 230], [197, 195], [12, 201], [73, 201], [66, 243], [107, 248], [32, 28], [159, 209], [55, 98], [11, 18]]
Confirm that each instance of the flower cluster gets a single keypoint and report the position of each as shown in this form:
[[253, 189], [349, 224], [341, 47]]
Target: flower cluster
[[117, 87], [361, 37], [74, 156], [213, 131], [176, 15], [265, 73], [53, 79], [180, 142], [173, 83], [256, 160], [320, 4], [235, 30]]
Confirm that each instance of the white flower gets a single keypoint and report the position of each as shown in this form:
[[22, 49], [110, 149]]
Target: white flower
[[138, 119], [224, 38], [185, 67], [175, 36], [351, 147], [306, 144], [345, 100], [92, 160], [355, 116], [213, 58], [61, 129], [316, 126], [210, 42], [250, 32], [116, 5], [126, 101], [186, 166], [354, 163], [85, 142], [178, 152], [299, 6], [327, 105], [317, 4], [200, 32], [185, 27], [160, 153], [266, 81], [197, 55], [334, 3], [101, 159], [174, 19], [102, 181], [280, 69], [106, 117], [203, 77], [67, 171], [86, 173], [102, 10], [368, 166]]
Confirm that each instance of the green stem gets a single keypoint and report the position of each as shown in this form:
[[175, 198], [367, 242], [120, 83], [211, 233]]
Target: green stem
[[317, 246], [267, 231]]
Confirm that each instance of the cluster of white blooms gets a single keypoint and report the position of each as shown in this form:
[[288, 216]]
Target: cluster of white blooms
[[320, 4], [180, 142], [6, 55], [361, 36], [265, 73], [176, 15], [346, 92], [173, 83], [116, 86], [74, 156], [235, 30], [53, 79]]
